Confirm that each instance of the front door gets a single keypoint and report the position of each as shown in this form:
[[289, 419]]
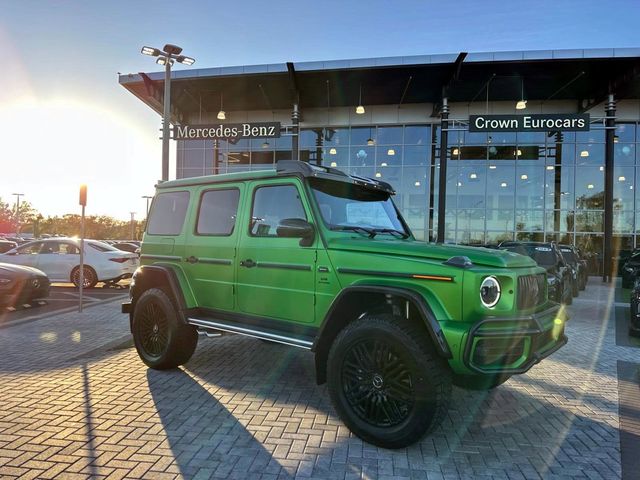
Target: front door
[[276, 275], [27, 255], [210, 249], [57, 259]]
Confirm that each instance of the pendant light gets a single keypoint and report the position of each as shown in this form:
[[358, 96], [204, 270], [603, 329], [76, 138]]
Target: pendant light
[[221, 114], [360, 108], [370, 141], [522, 103]]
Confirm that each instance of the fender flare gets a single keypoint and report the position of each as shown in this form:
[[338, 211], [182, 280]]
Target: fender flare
[[142, 280]]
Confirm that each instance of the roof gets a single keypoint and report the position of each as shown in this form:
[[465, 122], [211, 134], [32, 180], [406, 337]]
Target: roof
[[284, 168], [543, 74]]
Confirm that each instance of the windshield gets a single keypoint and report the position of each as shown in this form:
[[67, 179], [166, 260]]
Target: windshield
[[345, 206], [542, 255], [568, 254]]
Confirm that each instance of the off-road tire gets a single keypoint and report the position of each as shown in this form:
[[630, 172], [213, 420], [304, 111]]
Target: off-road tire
[[479, 382], [575, 291], [90, 277], [162, 340], [569, 298], [401, 375]]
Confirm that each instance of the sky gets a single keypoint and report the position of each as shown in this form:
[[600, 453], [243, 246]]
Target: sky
[[65, 120]]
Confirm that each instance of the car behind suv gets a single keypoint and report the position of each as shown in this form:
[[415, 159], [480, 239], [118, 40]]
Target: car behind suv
[[313, 258]]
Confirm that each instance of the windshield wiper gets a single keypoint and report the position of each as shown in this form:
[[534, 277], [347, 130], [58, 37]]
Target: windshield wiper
[[390, 231], [367, 231]]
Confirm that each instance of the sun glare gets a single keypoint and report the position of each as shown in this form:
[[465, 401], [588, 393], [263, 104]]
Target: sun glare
[[51, 147]]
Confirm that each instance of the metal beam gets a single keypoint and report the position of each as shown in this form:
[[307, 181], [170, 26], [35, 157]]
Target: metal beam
[[607, 267]]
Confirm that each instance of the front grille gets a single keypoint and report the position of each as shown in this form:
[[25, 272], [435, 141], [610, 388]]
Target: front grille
[[531, 290]]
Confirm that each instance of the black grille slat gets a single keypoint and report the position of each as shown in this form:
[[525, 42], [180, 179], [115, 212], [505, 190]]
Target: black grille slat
[[531, 291]]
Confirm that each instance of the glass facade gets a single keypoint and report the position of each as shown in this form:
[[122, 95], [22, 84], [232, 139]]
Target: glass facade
[[500, 186]]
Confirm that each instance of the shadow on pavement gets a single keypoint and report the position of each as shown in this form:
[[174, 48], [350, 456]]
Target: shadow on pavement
[[205, 438]]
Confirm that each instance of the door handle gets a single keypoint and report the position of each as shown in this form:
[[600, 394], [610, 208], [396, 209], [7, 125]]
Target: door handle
[[248, 263], [192, 259]]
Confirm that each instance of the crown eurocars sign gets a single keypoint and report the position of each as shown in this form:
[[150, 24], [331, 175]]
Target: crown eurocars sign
[[226, 130], [556, 122]]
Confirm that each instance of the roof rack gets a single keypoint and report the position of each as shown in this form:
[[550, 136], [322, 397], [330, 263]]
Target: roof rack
[[284, 167]]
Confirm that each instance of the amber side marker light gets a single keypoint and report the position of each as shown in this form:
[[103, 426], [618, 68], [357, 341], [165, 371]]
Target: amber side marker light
[[433, 277]]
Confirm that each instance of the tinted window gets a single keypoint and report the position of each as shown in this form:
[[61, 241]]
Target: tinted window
[[102, 247], [271, 205], [61, 248], [218, 210], [167, 214], [30, 249]]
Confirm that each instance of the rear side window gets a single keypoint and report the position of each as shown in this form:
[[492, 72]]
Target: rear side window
[[218, 210], [168, 213]]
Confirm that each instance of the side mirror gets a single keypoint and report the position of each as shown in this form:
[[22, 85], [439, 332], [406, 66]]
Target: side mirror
[[297, 228]]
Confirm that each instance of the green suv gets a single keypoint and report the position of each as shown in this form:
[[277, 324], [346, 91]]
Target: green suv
[[311, 257]]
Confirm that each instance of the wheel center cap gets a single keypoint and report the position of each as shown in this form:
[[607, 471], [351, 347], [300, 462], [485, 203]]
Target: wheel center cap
[[377, 381], [155, 328]]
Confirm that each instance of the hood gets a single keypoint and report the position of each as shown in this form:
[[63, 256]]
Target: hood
[[432, 251], [20, 269]]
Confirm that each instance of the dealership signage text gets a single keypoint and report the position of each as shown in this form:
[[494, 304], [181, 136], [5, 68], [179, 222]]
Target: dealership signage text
[[569, 122], [228, 130]]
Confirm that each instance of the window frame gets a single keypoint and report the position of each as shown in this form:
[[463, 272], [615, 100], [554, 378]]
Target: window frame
[[268, 185], [197, 219]]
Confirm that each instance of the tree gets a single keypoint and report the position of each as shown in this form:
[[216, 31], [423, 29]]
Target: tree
[[6, 218]]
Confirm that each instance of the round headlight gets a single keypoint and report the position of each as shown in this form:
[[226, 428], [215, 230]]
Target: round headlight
[[490, 292]]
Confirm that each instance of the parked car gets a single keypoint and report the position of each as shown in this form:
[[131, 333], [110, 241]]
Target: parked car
[[631, 269], [20, 285], [317, 259], [634, 319], [59, 258], [126, 247], [548, 256], [573, 258], [6, 245]]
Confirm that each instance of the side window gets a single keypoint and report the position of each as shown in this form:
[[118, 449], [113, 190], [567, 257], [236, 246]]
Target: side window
[[168, 213], [218, 210], [69, 249], [50, 247], [271, 205], [30, 249]]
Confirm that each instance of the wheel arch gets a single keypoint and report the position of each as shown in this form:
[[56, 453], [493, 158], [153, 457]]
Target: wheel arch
[[169, 279], [357, 300]]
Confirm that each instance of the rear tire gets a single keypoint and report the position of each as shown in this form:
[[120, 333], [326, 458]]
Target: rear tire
[[90, 278], [386, 382], [162, 340]]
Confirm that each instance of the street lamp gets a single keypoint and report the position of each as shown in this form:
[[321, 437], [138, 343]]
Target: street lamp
[[133, 227], [18, 195], [166, 57], [147, 197]]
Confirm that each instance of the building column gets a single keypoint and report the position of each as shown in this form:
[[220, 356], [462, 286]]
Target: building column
[[610, 125], [295, 118], [442, 184]]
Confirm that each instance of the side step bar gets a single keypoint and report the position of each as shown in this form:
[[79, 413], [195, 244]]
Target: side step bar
[[250, 332]]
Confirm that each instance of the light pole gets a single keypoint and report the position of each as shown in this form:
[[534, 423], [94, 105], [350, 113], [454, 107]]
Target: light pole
[[166, 57], [147, 197], [18, 195], [133, 231]]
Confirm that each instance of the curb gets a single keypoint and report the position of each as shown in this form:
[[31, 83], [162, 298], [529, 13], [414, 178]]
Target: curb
[[61, 311]]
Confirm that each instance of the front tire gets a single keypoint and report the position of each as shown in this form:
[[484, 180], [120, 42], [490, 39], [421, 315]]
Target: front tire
[[386, 382], [161, 339]]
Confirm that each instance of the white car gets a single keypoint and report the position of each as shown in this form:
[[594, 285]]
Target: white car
[[59, 258]]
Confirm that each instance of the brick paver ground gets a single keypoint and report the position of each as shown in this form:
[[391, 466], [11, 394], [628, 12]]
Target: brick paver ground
[[76, 402]]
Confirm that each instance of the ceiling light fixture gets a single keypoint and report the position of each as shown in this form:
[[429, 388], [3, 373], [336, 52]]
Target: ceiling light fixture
[[265, 144], [383, 164], [360, 108], [391, 152], [455, 151], [221, 114], [524, 176], [522, 103], [621, 178], [584, 153], [590, 186], [334, 164], [492, 167], [417, 184], [459, 184], [616, 138], [378, 175], [332, 151], [473, 176], [550, 167], [503, 184]]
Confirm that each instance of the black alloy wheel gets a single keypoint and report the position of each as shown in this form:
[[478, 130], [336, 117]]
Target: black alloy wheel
[[163, 340], [377, 383], [386, 381]]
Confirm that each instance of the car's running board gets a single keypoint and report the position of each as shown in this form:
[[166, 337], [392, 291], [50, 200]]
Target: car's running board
[[250, 332]]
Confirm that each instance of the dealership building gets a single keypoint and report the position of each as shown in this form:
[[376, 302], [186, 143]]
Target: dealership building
[[480, 147]]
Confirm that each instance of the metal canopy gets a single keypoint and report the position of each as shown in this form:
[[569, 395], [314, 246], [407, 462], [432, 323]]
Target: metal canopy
[[583, 78]]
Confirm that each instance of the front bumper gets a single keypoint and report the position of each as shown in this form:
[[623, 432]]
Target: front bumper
[[497, 345]]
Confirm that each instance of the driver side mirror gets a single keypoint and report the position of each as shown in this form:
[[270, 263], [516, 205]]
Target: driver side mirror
[[297, 228]]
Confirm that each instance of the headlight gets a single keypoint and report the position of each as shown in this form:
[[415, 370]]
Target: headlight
[[628, 269], [551, 280], [490, 292]]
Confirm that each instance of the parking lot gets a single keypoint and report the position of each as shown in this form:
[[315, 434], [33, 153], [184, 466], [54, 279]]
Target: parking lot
[[63, 297], [78, 403]]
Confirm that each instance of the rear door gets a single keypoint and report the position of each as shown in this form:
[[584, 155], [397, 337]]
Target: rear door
[[210, 247], [276, 276]]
